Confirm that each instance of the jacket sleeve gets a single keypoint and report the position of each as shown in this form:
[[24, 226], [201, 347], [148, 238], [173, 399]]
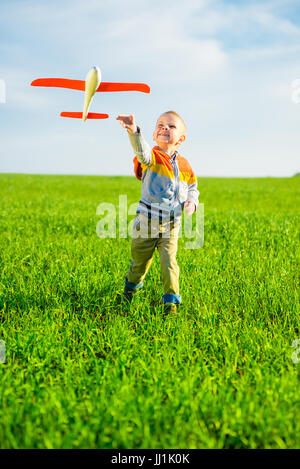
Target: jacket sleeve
[[193, 193], [140, 147]]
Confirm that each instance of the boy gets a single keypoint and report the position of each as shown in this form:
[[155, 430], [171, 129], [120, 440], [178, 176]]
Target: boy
[[168, 185]]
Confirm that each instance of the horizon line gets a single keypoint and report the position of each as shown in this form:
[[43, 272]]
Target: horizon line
[[133, 176]]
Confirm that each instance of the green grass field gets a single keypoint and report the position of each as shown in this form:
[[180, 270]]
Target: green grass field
[[85, 372]]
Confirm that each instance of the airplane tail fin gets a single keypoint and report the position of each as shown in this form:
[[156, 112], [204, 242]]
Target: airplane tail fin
[[78, 115]]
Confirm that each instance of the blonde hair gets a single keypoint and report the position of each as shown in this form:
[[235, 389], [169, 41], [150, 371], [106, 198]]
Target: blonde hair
[[174, 113]]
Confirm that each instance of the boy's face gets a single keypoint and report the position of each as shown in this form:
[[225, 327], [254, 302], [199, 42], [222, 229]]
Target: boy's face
[[169, 130]]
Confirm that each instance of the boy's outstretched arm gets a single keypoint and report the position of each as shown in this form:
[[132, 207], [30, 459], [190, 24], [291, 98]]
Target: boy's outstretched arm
[[139, 145]]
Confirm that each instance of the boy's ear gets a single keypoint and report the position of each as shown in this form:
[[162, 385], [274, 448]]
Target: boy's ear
[[181, 140]]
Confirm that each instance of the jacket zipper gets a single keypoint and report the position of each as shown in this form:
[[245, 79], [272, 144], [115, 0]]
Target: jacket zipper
[[176, 177]]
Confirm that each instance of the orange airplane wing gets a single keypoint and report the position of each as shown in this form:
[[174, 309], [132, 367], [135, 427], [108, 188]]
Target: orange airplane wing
[[60, 83], [80, 85]]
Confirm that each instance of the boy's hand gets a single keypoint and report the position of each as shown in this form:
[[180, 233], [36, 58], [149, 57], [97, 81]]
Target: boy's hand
[[189, 207], [128, 122]]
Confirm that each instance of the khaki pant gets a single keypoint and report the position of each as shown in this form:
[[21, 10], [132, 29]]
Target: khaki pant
[[148, 235]]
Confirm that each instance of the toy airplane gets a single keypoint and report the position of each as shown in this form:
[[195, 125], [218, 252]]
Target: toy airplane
[[91, 84]]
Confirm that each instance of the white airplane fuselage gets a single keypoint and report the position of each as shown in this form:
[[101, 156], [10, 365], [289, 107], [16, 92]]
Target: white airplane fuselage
[[92, 82]]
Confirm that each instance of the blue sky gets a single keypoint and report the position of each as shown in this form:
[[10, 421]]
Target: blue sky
[[226, 66]]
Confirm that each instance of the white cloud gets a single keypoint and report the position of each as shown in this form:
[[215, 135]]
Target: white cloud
[[150, 38], [242, 19], [271, 53], [19, 93]]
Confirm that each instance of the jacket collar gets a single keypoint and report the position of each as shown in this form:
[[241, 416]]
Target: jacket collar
[[171, 157]]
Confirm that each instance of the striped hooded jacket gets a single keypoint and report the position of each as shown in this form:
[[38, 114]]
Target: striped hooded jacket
[[167, 181]]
